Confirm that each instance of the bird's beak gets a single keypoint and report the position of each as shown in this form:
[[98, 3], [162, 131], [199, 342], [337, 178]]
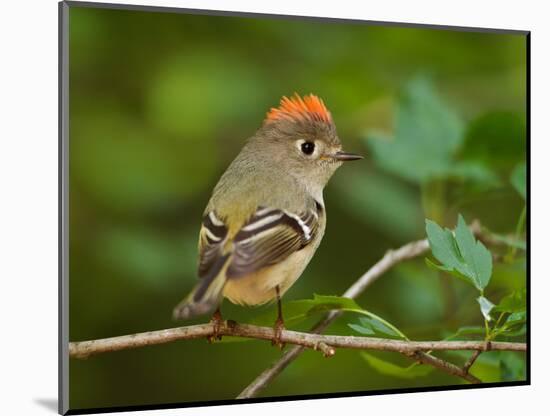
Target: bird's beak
[[345, 156]]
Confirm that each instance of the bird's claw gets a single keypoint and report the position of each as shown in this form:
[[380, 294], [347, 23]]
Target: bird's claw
[[217, 323], [278, 332]]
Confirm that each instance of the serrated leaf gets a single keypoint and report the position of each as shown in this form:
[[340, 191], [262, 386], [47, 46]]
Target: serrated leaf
[[390, 369], [519, 179], [447, 270], [444, 248], [486, 306], [479, 262], [460, 253], [427, 134], [298, 310]]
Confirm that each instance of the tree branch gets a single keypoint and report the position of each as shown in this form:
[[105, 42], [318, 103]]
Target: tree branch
[[416, 350], [390, 259], [325, 343]]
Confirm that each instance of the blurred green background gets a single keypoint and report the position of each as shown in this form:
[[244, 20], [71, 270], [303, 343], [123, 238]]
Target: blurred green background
[[161, 103]]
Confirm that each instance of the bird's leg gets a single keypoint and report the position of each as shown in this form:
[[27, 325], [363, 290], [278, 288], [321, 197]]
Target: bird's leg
[[216, 322], [279, 323]]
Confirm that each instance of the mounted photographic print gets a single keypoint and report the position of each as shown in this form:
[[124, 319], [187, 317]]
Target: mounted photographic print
[[265, 208]]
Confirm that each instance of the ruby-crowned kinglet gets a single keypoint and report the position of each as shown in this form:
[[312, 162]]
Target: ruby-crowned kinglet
[[266, 216]]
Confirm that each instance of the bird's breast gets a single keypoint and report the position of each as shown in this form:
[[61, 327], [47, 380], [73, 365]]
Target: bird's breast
[[259, 287]]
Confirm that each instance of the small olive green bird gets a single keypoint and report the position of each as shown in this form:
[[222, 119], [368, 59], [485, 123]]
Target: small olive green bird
[[266, 216]]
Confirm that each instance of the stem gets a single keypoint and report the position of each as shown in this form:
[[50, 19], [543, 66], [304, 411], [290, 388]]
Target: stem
[[498, 321], [487, 330]]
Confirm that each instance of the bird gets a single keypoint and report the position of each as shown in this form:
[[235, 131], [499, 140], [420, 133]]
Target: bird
[[266, 216]]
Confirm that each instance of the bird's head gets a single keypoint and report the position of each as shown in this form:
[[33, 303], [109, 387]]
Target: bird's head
[[300, 135]]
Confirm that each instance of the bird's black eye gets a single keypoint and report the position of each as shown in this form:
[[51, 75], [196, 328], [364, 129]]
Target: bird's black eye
[[308, 148]]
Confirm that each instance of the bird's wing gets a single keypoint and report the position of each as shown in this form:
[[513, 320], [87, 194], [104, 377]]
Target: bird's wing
[[269, 237], [212, 237]]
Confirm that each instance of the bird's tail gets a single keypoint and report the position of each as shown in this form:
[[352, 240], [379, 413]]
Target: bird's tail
[[206, 295]]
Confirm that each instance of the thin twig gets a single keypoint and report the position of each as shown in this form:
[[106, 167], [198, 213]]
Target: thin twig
[[446, 366], [466, 367], [468, 364], [327, 350], [325, 343]]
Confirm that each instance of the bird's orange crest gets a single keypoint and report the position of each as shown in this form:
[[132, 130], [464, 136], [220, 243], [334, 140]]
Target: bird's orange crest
[[310, 107]]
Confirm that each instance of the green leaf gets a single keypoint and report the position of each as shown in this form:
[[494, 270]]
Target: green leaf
[[427, 134], [460, 254], [519, 179], [478, 259], [467, 332], [372, 326], [444, 247], [361, 329], [390, 369], [514, 326], [378, 326], [514, 302], [516, 318], [323, 303], [432, 265], [297, 311], [486, 307]]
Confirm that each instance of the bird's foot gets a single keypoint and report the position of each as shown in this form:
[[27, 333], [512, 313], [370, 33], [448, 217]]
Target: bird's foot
[[217, 322], [278, 332]]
